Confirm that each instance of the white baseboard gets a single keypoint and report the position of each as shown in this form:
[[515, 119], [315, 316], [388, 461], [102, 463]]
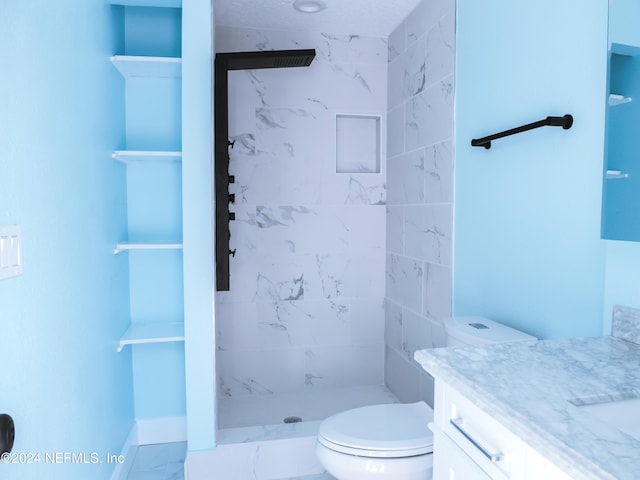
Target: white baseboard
[[149, 431], [162, 430]]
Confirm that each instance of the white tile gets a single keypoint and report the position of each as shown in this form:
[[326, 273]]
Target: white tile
[[393, 325], [438, 291], [429, 115], [440, 55], [402, 377], [425, 15], [404, 282], [396, 120], [438, 165], [416, 333], [330, 367], [266, 371], [367, 321], [397, 41], [406, 178], [428, 233], [415, 69], [395, 229]]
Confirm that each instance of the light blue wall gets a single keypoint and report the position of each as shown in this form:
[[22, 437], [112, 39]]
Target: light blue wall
[[624, 29], [62, 380], [527, 212], [197, 199]]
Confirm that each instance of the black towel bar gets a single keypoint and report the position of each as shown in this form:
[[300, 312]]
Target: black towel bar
[[565, 122]]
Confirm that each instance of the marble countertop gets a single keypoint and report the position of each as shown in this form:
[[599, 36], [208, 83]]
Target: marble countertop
[[534, 389]]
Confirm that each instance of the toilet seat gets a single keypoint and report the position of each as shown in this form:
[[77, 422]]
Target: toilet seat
[[380, 431]]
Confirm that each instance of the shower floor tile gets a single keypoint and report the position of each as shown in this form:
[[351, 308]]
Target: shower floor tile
[[272, 409], [320, 476]]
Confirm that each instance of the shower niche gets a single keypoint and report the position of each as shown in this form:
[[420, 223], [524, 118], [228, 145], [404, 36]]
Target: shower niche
[[357, 144]]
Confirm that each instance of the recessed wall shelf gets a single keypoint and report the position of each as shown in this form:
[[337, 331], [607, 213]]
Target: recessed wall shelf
[[357, 143], [615, 99], [144, 333], [131, 156], [157, 67], [126, 246]]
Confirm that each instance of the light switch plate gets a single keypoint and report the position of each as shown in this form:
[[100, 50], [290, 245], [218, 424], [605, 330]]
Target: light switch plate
[[10, 251]]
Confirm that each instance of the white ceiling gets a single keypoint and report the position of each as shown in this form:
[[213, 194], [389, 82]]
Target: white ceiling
[[377, 18]]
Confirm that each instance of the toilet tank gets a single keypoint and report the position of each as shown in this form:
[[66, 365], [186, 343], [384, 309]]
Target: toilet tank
[[461, 331]]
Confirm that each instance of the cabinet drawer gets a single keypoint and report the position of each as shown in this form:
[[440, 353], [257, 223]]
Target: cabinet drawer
[[495, 449], [451, 463]]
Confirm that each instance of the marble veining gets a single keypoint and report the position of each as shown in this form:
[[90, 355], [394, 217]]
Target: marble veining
[[307, 278], [626, 323], [533, 388]]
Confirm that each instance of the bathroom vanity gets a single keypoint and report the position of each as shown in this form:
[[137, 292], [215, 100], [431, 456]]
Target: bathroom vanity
[[552, 409]]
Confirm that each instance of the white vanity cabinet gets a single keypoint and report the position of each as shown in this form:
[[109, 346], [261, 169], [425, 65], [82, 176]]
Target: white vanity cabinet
[[470, 444]]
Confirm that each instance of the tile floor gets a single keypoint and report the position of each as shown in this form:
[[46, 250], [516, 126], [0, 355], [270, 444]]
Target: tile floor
[[165, 462], [159, 462]]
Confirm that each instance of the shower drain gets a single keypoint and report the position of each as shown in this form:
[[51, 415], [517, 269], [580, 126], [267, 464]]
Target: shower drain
[[292, 420]]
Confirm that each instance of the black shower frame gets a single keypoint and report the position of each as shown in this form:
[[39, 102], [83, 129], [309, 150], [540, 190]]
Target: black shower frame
[[223, 198]]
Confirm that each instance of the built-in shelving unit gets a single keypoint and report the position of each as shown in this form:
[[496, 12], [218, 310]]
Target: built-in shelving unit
[[149, 61], [145, 333]]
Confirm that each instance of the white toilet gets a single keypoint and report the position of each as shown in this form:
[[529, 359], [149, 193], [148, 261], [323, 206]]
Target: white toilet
[[393, 441]]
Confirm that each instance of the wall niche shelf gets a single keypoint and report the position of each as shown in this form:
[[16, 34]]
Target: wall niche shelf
[[127, 246], [145, 333], [615, 99], [132, 156], [157, 67]]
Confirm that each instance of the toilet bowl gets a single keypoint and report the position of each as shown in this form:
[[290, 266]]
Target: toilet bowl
[[393, 442], [390, 441]]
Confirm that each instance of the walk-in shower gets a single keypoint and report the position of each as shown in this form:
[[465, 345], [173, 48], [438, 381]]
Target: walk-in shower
[[299, 303]]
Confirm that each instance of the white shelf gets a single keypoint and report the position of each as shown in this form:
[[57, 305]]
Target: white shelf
[[132, 156], [126, 246], [615, 99], [159, 67], [143, 333], [626, 50], [148, 3], [615, 175]]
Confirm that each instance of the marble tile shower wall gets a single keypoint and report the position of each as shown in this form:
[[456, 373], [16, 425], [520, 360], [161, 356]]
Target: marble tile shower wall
[[419, 193], [306, 305]]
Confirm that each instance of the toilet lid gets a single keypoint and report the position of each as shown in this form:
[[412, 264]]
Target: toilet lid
[[393, 430]]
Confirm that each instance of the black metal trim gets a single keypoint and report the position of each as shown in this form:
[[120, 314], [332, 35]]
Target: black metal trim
[[223, 63], [565, 122]]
